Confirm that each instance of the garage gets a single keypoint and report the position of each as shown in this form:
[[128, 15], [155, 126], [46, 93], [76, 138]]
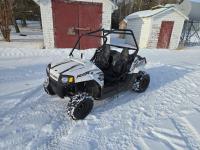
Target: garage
[[72, 19], [64, 21]]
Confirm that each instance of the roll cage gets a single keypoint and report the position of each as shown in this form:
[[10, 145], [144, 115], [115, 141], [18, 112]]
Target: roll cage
[[103, 35]]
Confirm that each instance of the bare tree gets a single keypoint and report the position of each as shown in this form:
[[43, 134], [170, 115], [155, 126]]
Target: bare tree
[[25, 10], [5, 18], [14, 7]]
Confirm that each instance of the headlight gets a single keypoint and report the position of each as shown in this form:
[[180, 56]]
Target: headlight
[[71, 80], [48, 68], [67, 79], [64, 79]]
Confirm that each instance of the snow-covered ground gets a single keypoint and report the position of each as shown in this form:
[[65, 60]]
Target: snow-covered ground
[[32, 36], [165, 117]]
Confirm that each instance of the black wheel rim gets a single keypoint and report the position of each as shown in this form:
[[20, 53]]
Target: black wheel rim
[[83, 109], [144, 84]]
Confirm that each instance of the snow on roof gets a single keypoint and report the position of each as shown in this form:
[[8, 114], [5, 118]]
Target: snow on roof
[[152, 12], [114, 6], [145, 13]]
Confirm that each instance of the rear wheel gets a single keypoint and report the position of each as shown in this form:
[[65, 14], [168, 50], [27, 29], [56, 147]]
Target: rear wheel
[[47, 87], [141, 82], [79, 106]]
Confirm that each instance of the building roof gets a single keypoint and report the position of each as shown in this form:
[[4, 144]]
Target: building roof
[[114, 6], [153, 12]]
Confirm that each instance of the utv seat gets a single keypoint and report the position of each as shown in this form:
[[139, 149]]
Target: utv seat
[[120, 62], [118, 66], [102, 58]]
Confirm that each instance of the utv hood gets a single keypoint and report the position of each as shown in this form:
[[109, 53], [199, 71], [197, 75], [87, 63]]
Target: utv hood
[[72, 67]]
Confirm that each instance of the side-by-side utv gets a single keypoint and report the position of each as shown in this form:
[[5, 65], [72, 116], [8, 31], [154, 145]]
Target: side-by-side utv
[[111, 70]]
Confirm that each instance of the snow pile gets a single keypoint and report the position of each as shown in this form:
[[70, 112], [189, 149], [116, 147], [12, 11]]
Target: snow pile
[[166, 116]]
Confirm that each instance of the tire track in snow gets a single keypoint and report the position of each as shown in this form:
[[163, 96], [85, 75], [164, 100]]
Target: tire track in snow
[[53, 144], [53, 141], [45, 113], [188, 132], [170, 138], [95, 133], [22, 115], [32, 95], [39, 113], [63, 128], [66, 127]]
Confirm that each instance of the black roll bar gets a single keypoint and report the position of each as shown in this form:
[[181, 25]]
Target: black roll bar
[[104, 37]]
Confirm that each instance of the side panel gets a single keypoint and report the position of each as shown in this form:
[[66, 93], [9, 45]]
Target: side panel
[[94, 74], [165, 34]]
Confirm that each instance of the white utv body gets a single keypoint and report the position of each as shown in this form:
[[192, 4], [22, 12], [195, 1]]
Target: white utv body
[[81, 70], [107, 73]]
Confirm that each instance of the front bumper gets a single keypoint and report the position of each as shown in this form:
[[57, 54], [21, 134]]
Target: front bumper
[[61, 89]]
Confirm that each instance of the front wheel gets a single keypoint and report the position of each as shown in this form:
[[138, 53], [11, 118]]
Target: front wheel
[[141, 82], [79, 106]]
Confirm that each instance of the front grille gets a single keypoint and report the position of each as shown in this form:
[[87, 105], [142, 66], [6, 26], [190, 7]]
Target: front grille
[[61, 89]]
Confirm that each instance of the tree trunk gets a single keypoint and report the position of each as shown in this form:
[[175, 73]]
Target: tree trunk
[[24, 24], [15, 24], [5, 19], [40, 22]]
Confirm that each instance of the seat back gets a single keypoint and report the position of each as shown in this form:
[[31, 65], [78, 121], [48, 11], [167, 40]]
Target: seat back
[[119, 64], [125, 54], [102, 57]]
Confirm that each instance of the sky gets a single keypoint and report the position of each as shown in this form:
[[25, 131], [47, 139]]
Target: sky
[[196, 1]]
